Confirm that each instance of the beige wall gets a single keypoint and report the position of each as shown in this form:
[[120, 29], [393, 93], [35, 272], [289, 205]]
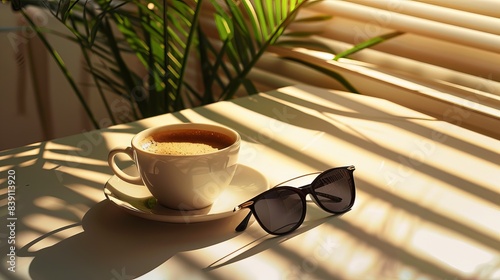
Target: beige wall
[[20, 123]]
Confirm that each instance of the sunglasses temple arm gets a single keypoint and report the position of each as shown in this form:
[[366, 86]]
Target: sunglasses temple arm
[[243, 225], [332, 197]]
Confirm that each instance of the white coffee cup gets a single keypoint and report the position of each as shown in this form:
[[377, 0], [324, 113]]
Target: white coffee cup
[[192, 173]]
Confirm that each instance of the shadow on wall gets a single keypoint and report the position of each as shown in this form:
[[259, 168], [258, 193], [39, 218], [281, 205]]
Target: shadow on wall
[[22, 123]]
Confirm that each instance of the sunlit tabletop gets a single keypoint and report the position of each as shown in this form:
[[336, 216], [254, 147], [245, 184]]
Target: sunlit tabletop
[[427, 201]]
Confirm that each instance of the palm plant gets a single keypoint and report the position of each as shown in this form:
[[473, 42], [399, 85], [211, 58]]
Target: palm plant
[[185, 62]]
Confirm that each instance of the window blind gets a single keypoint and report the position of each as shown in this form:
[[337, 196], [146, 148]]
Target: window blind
[[446, 60]]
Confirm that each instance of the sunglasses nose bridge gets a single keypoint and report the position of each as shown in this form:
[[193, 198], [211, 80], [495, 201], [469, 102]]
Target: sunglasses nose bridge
[[306, 189]]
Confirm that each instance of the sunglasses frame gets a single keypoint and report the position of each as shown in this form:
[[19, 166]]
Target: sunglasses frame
[[302, 191]]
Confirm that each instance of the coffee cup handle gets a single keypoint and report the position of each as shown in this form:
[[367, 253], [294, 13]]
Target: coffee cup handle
[[118, 172]]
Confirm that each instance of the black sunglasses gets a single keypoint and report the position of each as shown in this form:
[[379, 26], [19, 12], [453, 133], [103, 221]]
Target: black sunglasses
[[282, 209]]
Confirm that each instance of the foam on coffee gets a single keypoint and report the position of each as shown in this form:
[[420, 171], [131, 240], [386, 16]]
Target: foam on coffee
[[177, 148], [185, 142]]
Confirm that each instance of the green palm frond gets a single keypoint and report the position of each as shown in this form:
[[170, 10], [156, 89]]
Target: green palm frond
[[168, 39], [247, 29], [367, 44]]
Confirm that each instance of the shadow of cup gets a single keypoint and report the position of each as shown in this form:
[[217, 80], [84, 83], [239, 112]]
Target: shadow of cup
[[116, 244]]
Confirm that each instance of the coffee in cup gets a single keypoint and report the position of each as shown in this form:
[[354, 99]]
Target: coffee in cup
[[184, 166], [185, 142]]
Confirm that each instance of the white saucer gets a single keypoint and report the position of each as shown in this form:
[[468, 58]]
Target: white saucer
[[137, 200]]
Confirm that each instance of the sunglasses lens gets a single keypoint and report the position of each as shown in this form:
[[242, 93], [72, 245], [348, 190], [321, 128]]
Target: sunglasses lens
[[280, 210], [334, 190]]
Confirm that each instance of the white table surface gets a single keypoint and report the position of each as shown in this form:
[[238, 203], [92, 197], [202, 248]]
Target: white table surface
[[427, 205]]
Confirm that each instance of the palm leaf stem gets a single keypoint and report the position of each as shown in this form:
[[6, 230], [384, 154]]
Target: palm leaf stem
[[43, 113], [328, 72], [189, 42], [125, 71], [230, 90], [207, 70], [98, 85], [166, 49], [152, 100], [60, 63], [366, 44]]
